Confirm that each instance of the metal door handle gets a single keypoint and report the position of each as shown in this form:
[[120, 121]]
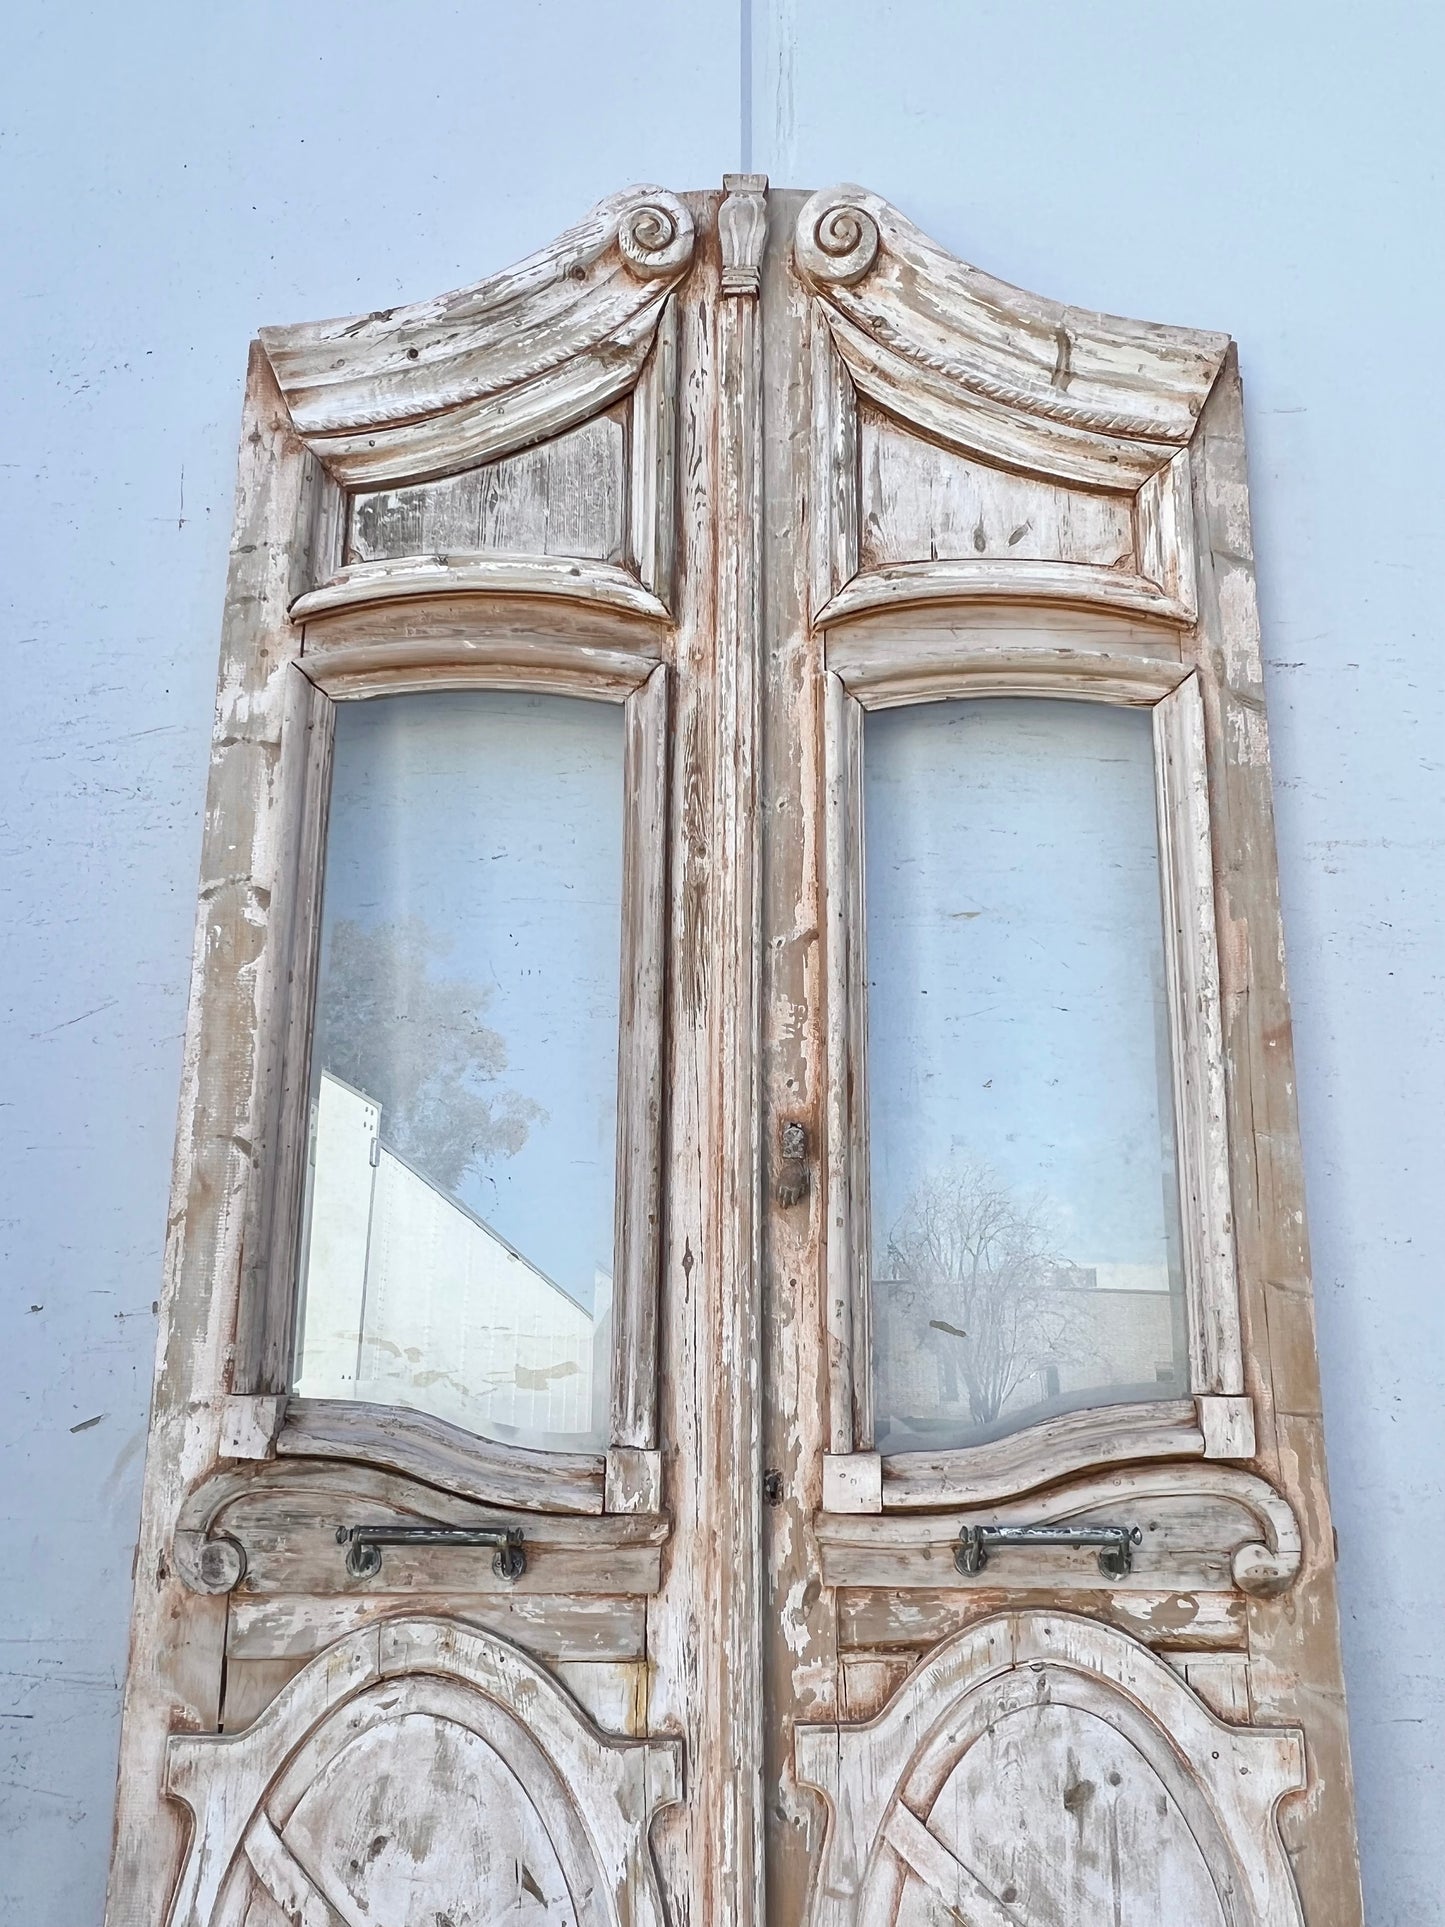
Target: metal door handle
[[363, 1545], [1116, 1544]]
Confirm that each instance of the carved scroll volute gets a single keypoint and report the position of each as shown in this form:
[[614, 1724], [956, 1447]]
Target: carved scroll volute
[[655, 235], [837, 238], [414, 393]]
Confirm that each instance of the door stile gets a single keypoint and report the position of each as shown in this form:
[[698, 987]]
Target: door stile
[[238, 992], [733, 1877], [704, 1630], [800, 1634], [1294, 1640]]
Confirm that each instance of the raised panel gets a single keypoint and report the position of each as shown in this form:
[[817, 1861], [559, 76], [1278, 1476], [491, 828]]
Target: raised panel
[[1042, 1771], [566, 497], [1061, 1818], [924, 503], [415, 1773]]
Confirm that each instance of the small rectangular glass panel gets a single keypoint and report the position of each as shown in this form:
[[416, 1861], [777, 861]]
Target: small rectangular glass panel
[[1024, 1193], [458, 1245]]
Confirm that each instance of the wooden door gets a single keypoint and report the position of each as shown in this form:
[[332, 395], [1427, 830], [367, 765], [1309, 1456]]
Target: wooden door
[[736, 1341]]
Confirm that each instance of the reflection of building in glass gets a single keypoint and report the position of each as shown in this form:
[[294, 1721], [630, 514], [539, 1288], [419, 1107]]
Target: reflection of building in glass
[[1069, 1337], [409, 1299]]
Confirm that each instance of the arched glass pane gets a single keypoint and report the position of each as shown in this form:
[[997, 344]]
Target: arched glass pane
[[457, 1255], [1024, 1194]]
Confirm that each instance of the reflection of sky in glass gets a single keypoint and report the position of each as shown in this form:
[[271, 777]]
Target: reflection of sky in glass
[[496, 819], [1016, 998]]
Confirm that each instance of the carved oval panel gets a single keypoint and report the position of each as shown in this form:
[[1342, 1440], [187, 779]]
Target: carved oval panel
[[422, 1820], [1040, 1770], [419, 1774], [1056, 1814]]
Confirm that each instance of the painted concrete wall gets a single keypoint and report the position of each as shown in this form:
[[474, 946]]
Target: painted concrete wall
[[175, 176]]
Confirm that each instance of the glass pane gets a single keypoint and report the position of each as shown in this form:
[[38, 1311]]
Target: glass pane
[[1025, 1206], [458, 1247]]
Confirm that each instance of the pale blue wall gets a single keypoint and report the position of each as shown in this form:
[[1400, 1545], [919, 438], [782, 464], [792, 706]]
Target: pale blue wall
[[174, 176]]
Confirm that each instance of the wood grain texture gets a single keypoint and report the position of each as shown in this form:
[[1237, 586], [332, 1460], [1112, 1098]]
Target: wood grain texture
[[1294, 1643], [802, 1675], [642, 971], [439, 1454], [415, 392], [1192, 968], [1070, 585], [290, 1806], [565, 497], [922, 503], [1193, 1822], [413, 578], [238, 979], [1202, 1526], [819, 414]]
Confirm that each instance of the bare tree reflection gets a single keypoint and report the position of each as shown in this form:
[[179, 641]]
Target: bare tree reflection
[[969, 1276], [416, 1044]]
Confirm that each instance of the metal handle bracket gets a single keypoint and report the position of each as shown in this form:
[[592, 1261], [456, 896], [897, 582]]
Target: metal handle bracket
[[1116, 1544], [363, 1545]]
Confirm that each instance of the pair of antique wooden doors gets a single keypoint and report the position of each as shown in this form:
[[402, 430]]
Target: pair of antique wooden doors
[[816, 1421]]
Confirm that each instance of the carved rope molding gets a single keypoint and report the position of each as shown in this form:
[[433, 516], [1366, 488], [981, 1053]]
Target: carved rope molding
[[410, 393], [938, 316]]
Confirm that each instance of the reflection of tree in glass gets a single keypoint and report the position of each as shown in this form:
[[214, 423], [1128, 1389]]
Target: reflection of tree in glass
[[416, 1044], [968, 1262]]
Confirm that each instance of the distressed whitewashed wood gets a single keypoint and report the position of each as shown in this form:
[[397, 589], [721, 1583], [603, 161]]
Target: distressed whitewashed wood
[[852, 1482], [421, 391], [337, 1750], [1202, 1526], [1052, 382], [922, 503], [751, 594], [249, 1424], [1228, 1427], [566, 497], [1052, 1449], [640, 1073], [271, 1528], [652, 463], [1069, 585], [847, 1236], [1220, 1679], [477, 657], [890, 1619], [1194, 1821], [437, 1453], [412, 578], [1192, 963], [884, 674], [296, 1626]]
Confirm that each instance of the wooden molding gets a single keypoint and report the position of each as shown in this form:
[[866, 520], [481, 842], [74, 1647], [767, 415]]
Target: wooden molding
[[443, 1455], [1204, 1526], [1014, 1675], [364, 584], [1035, 1455], [421, 391], [1065, 585], [270, 1805]]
